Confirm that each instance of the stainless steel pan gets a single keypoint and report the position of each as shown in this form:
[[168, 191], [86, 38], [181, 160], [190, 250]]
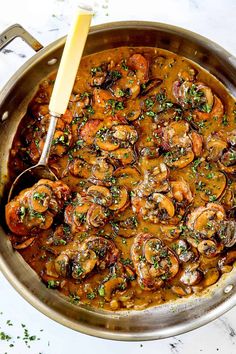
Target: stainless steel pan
[[159, 322]]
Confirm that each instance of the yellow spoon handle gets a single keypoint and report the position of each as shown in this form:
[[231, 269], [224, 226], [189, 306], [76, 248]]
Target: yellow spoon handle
[[70, 60]]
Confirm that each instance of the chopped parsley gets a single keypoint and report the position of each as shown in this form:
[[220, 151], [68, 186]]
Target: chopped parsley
[[196, 163], [101, 290], [115, 105], [94, 70], [91, 296], [52, 284], [225, 120]]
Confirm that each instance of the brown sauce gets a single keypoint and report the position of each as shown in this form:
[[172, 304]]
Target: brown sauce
[[144, 210]]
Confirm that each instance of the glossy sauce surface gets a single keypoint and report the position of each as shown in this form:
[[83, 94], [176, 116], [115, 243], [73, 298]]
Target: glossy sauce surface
[[144, 211]]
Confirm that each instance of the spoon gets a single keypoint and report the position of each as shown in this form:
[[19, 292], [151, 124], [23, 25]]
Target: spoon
[[64, 82]]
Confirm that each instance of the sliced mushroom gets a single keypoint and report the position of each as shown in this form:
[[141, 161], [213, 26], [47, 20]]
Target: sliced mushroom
[[157, 208], [106, 140], [155, 180], [87, 154], [61, 143], [96, 215], [149, 86], [61, 264], [153, 261], [105, 250], [120, 198], [182, 250], [208, 248], [124, 155], [181, 291], [40, 198], [164, 203], [206, 220], [76, 213], [227, 233], [127, 176], [83, 263], [191, 276], [211, 183], [179, 157], [102, 172], [132, 110], [20, 246], [215, 147], [227, 161], [113, 285], [125, 133], [79, 168], [101, 195]]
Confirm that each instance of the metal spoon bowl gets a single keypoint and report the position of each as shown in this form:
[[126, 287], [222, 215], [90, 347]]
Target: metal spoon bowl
[[64, 82], [41, 170]]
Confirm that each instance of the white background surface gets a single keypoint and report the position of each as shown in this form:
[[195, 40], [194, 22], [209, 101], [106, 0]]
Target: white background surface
[[48, 20]]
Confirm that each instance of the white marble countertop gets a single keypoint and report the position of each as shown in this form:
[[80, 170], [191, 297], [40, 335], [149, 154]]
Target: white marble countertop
[[48, 20]]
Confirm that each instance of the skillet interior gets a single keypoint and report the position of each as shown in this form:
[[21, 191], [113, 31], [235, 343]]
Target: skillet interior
[[165, 320]]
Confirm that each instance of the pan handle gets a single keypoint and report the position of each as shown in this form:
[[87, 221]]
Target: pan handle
[[15, 31]]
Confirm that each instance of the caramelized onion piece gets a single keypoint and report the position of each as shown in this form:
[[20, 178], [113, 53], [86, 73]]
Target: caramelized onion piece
[[138, 63], [181, 191], [89, 130], [197, 143]]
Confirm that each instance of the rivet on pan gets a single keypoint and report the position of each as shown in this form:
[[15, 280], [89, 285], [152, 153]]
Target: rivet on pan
[[52, 61], [228, 288], [5, 116]]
